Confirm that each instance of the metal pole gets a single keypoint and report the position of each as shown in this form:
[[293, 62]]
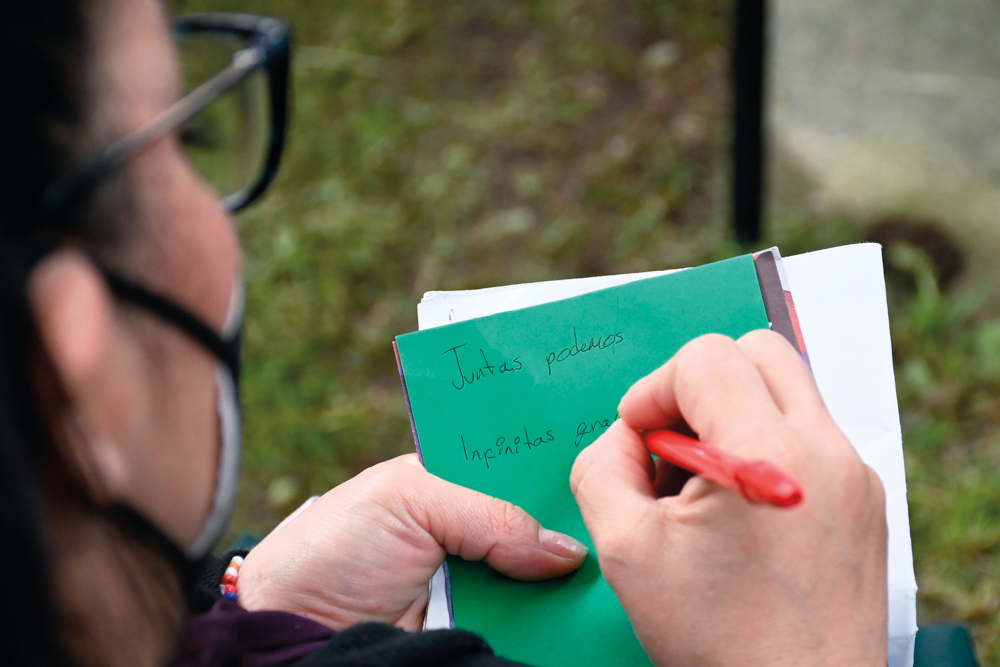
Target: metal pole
[[748, 119]]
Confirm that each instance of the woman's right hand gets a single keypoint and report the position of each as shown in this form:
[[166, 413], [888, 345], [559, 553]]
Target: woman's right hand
[[708, 579]]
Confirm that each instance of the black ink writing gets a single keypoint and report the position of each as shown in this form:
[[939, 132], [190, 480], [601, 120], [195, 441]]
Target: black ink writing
[[485, 370], [503, 446], [511, 367], [585, 428], [604, 342]]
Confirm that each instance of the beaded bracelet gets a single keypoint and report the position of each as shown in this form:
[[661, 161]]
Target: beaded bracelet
[[228, 585]]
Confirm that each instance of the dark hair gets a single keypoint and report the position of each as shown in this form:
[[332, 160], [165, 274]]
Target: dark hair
[[45, 44], [117, 598]]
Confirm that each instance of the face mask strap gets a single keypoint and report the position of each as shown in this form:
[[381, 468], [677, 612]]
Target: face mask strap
[[227, 351], [228, 475], [140, 528]]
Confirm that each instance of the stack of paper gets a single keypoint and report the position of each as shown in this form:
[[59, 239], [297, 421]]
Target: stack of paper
[[503, 403]]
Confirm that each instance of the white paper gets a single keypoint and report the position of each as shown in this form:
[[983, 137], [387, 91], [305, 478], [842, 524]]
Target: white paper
[[839, 296]]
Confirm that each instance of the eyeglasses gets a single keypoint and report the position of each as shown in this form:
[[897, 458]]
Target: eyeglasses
[[232, 124]]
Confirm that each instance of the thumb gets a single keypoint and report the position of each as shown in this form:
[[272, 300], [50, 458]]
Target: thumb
[[479, 527], [612, 482]]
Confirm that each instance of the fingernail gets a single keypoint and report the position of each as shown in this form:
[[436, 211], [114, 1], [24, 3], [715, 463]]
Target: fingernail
[[561, 545]]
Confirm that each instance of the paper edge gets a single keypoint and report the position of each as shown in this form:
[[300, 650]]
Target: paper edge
[[901, 646]]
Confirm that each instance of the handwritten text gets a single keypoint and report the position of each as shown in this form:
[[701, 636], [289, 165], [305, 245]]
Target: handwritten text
[[604, 342], [483, 371], [506, 447]]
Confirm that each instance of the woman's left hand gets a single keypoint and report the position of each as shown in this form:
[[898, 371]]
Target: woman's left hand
[[367, 549]]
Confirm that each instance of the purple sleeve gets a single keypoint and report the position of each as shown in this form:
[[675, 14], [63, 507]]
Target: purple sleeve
[[230, 635]]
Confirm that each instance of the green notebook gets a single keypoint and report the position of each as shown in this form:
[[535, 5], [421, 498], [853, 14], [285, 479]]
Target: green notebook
[[503, 404]]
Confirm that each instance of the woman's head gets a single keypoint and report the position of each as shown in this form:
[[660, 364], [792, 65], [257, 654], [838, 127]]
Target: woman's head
[[103, 403], [137, 394]]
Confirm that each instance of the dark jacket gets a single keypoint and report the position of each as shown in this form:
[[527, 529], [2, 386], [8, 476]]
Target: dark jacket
[[223, 634]]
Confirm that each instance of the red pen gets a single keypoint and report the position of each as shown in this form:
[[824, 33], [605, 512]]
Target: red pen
[[758, 481]]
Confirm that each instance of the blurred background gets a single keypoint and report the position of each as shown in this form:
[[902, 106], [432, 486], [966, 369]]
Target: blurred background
[[457, 144]]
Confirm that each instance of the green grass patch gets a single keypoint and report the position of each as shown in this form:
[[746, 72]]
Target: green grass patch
[[456, 145]]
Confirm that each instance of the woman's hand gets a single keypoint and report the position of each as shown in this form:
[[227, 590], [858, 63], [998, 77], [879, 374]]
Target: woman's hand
[[366, 550], [708, 579]]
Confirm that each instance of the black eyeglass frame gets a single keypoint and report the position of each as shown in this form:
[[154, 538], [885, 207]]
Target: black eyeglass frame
[[268, 46]]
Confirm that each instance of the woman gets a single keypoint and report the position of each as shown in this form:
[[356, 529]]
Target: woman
[[118, 346]]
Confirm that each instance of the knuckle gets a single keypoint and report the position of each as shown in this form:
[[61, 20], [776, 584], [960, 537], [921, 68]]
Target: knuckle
[[850, 472], [875, 484], [390, 474], [764, 337], [768, 347], [762, 341], [864, 498], [852, 484], [390, 484], [857, 480], [505, 517], [708, 346], [711, 354]]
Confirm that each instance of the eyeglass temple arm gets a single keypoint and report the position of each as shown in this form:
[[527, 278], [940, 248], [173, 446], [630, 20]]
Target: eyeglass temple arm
[[66, 189]]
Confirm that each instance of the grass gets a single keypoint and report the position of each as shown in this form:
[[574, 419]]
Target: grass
[[455, 145], [948, 380]]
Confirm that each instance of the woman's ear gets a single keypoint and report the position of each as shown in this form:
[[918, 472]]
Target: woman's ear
[[73, 311]]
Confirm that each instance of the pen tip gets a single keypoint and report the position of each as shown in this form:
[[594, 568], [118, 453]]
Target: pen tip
[[761, 482]]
